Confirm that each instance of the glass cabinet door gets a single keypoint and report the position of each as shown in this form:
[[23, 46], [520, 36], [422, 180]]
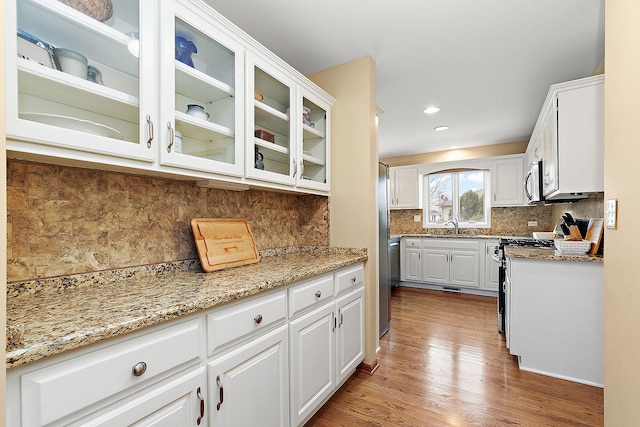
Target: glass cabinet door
[[271, 133], [74, 77], [202, 89], [314, 152]]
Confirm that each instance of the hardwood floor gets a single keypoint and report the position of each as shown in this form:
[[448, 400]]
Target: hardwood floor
[[443, 363]]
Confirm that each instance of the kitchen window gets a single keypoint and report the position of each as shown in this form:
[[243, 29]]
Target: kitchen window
[[460, 194]]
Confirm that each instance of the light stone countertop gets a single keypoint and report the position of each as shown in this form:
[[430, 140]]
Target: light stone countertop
[[50, 316], [548, 254], [461, 236]]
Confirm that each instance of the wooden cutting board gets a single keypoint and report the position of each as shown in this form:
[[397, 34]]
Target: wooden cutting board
[[594, 234], [224, 243]]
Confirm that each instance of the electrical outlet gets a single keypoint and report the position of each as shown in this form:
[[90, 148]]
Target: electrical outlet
[[416, 218], [532, 223], [611, 213]]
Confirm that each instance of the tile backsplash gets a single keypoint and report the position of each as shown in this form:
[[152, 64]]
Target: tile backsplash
[[509, 221], [63, 220]]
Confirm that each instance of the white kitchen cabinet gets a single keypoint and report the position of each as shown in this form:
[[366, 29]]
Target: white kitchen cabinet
[[313, 364], [287, 128], [176, 403], [214, 82], [249, 386], [491, 269], [404, 188], [411, 259], [50, 113], [285, 352], [91, 384], [555, 318], [507, 181], [454, 262], [326, 338], [138, 122], [349, 333], [570, 129]]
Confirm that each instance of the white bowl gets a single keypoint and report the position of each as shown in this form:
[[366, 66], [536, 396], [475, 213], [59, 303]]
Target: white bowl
[[72, 62]]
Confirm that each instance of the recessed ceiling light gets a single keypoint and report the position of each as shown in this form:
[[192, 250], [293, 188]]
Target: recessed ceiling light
[[431, 110], [440, 128]]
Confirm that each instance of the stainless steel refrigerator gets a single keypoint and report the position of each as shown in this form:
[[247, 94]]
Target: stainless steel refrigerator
[[384, 283]]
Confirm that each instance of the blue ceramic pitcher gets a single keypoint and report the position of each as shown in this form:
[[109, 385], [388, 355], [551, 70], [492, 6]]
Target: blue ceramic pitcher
[[184, 49]]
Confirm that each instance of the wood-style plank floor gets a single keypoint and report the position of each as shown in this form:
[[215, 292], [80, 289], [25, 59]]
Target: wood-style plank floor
[[443, 363]]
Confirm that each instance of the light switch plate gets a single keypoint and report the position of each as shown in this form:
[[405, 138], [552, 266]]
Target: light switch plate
[[416, 218], [611, 213]]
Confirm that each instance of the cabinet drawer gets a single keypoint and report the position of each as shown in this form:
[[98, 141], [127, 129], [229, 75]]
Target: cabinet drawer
[[413, 243], [309, 293], [228, 326], [58, 390], [348, 278]]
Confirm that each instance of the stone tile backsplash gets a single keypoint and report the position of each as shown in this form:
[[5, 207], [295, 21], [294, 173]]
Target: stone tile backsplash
[[509, 221], [64, 220]]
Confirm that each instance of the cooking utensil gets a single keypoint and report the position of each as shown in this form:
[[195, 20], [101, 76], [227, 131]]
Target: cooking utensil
[[565, 229], [594, 234], [568, 219]]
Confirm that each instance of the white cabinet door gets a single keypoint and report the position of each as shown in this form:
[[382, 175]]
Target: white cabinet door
[[349, 333], [177, 403], [464, 267], [491, 266], [435, 266], [249, 386], [412, 265], [65, 115], [506, 182], [270, 132], [404, 188], [211, 82], [313, 141], [312, 360]]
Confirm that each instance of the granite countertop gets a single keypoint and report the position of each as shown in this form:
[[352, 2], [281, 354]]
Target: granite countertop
[[461, 236], [50, 316], [549, 254]]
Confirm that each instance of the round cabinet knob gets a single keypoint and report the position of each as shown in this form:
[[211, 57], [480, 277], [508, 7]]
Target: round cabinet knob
[[353, 279], [139, 369], [258, 319], [318, 294]]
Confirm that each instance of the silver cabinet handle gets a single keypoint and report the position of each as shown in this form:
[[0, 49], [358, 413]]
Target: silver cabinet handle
[[171, 137], [295, 168], [221, 399], [301, 168], [318, 294], [139, 369], [201, 398], [150, 126], [258, 319]]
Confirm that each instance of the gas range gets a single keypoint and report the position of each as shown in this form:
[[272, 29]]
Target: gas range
[[535, 243]]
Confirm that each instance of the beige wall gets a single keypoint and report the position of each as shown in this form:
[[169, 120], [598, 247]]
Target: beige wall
[[622, 151], [354, 162], [517, 147], [3, 226]]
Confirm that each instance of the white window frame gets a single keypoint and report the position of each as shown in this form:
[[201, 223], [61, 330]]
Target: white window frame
[[427, 223]]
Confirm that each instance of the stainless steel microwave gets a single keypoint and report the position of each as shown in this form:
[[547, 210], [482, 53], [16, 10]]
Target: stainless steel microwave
[[533, 183]]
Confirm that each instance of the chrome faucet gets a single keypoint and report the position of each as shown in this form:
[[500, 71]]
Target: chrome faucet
[[453, 221]]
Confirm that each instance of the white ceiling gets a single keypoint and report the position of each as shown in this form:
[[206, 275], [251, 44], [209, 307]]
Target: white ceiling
[[487, 64]]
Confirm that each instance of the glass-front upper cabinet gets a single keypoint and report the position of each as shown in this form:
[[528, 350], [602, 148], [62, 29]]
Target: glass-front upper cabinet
[[313, 155], [271, 148], [202, 90], [81, 80]]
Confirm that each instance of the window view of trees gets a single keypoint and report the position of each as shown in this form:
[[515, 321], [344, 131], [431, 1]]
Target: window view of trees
[[459, 195]]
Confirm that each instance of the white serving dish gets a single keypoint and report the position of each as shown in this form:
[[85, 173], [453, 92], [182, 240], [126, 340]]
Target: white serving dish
[[544, 235], [572, 246]]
